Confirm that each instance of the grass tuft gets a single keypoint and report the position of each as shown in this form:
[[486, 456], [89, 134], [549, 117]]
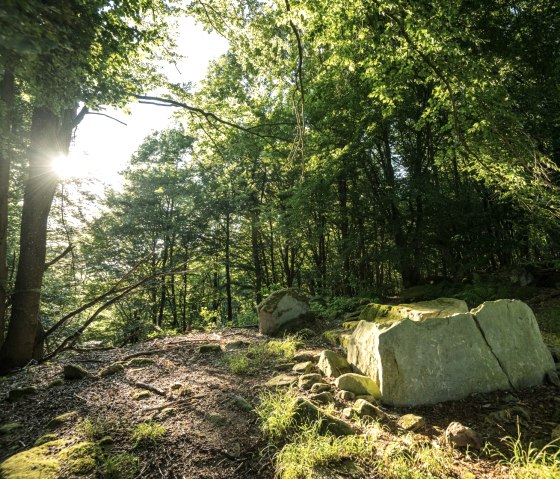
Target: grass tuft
[[276, 411], [310, 453], [94, 429], [527, 461], [147, 433], [258, 355], [120, 466]]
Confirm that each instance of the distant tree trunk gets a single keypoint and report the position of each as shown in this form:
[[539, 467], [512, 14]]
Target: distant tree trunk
[[228, 268], [50, 136], [255, 244], [6, 104], [163, 292]]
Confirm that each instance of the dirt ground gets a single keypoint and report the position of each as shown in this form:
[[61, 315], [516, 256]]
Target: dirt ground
[[208, 435]]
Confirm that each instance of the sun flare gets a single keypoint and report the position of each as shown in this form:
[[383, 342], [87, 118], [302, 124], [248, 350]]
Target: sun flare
[[70, 167]]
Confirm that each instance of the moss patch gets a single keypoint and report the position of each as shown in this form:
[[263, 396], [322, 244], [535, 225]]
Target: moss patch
[[40, 462], [19, 393], [59, 421], [269, 304], [44, 439]]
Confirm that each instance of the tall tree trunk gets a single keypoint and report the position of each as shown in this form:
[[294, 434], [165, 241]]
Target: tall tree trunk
[[6, 104], [50, 136], [255, 244], [228, 268]]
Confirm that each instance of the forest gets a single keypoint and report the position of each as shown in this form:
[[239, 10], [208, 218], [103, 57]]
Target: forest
[[356, 150]]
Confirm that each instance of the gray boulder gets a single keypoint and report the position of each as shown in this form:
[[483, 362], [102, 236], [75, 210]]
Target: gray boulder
[[282, 308], [423, 359]]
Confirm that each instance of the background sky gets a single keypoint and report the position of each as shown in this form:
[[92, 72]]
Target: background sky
[[102, 146]]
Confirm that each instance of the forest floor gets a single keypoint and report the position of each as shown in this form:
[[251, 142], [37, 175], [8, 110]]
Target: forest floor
[[209, 433]]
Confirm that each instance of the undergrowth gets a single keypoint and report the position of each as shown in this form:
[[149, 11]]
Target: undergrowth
[[256, 356], [309, 453], [148, 433], [120, 466], [276, 411], [527, 461]]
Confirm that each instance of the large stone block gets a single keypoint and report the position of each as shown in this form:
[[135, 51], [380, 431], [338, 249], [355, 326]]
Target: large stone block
[[425, 360], [282, 308], [512, 333]]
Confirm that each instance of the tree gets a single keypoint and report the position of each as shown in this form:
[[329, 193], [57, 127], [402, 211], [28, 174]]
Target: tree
[[79, 51]]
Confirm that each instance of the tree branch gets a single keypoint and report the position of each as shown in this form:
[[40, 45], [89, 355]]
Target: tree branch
[[108, 116], [56, 259], [158, 101]]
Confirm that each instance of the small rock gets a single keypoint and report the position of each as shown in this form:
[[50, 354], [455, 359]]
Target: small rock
[[510, 414], [140, 362], [323, 398], [209, 348], [74, 371], [306, 333], [176, 386], [350, 325], [61, 420], [304, 356], [303, 368], [332, 364], [217, 419], [308, 380], [346, 395], [281, 380], [233, 450], [358, 384], [284, 367], [111, 369], [412, 422], [56, 383], [457, 435], [367, 397], [364, 408], [141, 395], [307, 411], [555, 434], [237, 345], [18, 393], [320, 387], [242, 403], [509, 398], [348, 413]]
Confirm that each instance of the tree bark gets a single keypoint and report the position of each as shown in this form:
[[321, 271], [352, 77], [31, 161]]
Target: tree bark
[[228, 268], [50, 136], [6, 104]]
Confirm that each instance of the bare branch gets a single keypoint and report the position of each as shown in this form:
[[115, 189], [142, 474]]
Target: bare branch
[[108, 116], [56, 259]]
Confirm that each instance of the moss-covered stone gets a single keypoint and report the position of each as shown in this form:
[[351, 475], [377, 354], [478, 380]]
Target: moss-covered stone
[[56, 383], [44, 439], [303, 368], [281, 380], [111, 369], [332, 364], [139, 362], [74, 371], [217, 419], [61, 420], [140, 395], [41, 462], [350, 325], [308, 380], [306, 411], [366, 409], [81, 458], [358, 384], [209, 348], [284, 311], [411, 422], [242, 403], [337, 337], [388, 314], [19, 393]]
